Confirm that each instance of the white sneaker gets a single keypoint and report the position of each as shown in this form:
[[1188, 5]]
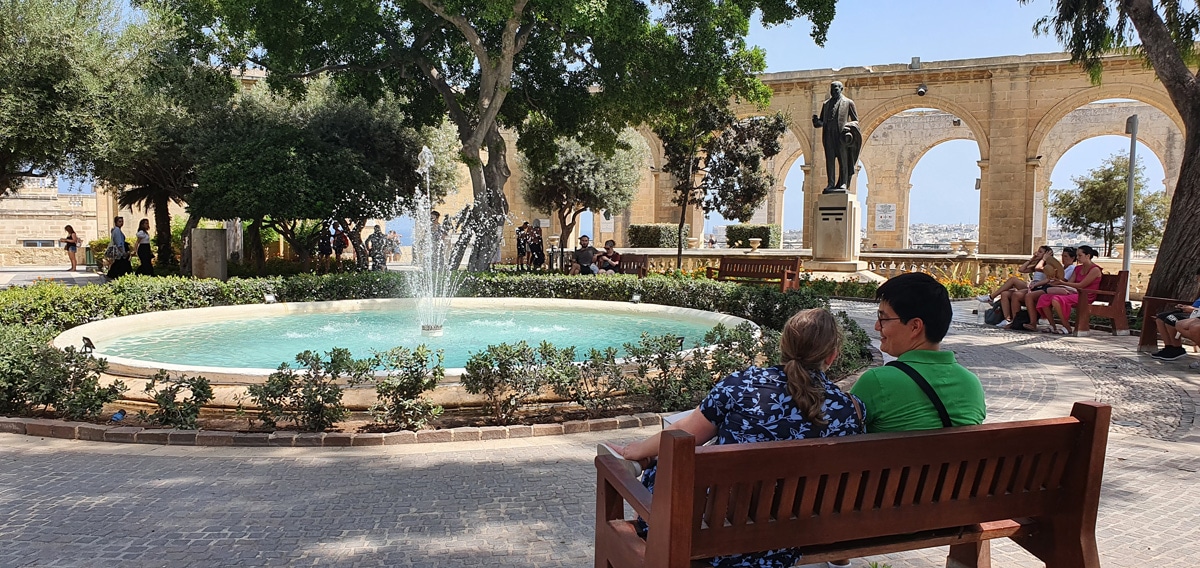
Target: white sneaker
[[984, 299], [1003, 323], [1043, 322]]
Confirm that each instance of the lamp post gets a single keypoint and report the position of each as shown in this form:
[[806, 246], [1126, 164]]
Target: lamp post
[[1131, 128]]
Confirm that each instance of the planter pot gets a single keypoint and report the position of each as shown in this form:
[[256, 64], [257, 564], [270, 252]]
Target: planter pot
[[754, 243]]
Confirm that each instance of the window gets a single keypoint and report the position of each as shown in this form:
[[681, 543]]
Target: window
[[39, 243]]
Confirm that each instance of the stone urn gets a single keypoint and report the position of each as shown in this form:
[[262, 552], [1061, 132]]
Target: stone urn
[[754, 244], [692, 242]]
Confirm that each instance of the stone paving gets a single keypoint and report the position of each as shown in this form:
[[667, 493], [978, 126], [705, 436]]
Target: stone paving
[[530, 502], [12, 276]]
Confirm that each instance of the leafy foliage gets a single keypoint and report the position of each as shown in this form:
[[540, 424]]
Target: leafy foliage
[[508, 375], [738, 236], [1096, 207], [594, 384], [311, 400], [659, 373], [407, 374], [171, 410], [655, 235], [576, 177], [855, 353]]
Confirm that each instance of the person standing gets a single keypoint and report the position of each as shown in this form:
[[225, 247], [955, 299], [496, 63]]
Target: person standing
[[324, 248], [377, 249], [71, 244], [523, 246], [340, 240], [144, 254], [537, 254], [118, 251]]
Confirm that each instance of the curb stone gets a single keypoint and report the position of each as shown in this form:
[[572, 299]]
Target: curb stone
[[88, 432]]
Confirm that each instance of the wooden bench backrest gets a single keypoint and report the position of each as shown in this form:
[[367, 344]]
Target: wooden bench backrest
[[742, 498], [757, 267], [636, 264], [1115, 283]]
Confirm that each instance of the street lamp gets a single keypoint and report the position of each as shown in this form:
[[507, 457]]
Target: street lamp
[[1131, 128]]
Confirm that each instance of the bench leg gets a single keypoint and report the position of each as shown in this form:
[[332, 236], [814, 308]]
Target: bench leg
[[972, 555]]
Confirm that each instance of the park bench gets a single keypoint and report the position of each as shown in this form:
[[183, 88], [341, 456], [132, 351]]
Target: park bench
[[1109, 303], [760, 270], [1151, 306], [634, 264], [1036, 482]]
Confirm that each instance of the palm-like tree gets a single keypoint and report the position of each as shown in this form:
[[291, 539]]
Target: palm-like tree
[[159, 181]]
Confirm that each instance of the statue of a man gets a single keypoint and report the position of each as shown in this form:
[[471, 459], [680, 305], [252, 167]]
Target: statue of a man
[[841, 138]]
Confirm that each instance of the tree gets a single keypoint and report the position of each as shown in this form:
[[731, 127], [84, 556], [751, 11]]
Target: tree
[[1168, 31], [145, 153], [578, 178], [485, 63], [58, 63], [1096, 207]]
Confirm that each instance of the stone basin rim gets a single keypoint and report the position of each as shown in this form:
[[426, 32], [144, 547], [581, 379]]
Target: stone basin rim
[[102, 330]]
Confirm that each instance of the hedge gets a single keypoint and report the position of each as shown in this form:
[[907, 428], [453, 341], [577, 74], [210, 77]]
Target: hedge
[[738, 236], [656, 235]]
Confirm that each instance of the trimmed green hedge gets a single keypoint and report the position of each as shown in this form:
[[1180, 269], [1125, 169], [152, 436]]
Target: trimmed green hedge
[[738, 236], [656, 235]]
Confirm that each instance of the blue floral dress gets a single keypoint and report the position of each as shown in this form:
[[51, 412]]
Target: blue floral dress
[[754, 406]]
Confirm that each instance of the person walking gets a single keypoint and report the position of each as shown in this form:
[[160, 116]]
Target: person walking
[[118, 251], [144, 254]]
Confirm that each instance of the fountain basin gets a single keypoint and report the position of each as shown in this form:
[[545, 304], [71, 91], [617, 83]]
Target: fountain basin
[[236, 346]]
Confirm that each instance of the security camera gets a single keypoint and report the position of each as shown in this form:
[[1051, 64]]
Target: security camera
[[922, 90]]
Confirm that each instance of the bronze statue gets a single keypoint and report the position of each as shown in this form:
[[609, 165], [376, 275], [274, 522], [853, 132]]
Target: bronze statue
[[841, 138]]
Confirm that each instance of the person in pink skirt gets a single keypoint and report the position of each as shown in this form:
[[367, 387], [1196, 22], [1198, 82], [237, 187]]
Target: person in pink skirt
[[1062, 296]]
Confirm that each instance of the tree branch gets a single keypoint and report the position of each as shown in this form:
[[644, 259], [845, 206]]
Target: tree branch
[[1168, 64], [464, 27]]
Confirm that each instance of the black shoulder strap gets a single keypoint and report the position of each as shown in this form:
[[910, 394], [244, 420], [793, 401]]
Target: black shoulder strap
[[926, 388]]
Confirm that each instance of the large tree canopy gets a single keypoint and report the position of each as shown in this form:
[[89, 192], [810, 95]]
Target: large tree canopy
[[489, 63], [577, 178], [1168, 31], [1096, 206], [60, 61]]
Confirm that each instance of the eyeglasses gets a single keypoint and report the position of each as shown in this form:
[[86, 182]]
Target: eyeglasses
[[879, 318]]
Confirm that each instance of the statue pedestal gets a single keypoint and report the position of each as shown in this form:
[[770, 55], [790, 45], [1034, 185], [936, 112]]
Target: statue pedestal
[[209, 254], [836, 238]]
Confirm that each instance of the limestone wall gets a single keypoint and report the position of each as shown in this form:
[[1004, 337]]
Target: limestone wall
[[39, 212]]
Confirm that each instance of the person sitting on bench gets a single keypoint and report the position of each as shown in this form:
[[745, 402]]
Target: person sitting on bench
[[925, 388], [1180, 321], [787, 402], [1032, 267], [583, 260]]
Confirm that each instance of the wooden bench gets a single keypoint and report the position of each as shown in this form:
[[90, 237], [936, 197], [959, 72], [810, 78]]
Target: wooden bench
[[634, 264], [759, 270], [1111, 298], [1036, 482], [1151, 306]]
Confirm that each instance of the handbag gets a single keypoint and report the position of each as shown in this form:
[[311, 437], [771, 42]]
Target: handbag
[[114, 252]]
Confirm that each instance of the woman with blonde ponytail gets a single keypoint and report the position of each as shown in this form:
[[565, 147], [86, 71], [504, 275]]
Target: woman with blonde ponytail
[[790, 401]]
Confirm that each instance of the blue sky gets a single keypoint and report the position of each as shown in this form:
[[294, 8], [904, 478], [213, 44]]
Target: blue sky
[[875, 32]]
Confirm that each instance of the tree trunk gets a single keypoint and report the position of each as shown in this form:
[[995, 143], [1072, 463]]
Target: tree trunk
[[254, 247], [185, 260], [354, 233], [1178, 259], [162, 230], [490, 204]]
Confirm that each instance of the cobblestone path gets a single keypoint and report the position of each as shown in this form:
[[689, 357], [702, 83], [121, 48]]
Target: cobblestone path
[[530, 502]]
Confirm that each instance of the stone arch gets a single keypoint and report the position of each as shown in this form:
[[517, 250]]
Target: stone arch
[[876, 116], [890, 155], [1156, 98]]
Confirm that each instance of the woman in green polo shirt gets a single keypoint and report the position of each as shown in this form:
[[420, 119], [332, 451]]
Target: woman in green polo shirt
[[914, 316]]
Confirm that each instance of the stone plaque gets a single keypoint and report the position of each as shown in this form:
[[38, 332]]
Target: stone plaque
[[607, 225], [885, 216]]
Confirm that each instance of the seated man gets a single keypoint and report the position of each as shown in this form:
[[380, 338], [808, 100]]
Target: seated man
[[1180, 321], [914, 316], [583, 260], [609, 261]]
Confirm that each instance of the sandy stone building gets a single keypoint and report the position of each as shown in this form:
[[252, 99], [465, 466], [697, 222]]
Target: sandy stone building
[[32, 221]]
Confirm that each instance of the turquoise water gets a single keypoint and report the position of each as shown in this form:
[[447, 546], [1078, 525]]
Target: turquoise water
[[266, 342]]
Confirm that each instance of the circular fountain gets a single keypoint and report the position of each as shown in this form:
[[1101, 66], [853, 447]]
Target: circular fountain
[[234, 346]]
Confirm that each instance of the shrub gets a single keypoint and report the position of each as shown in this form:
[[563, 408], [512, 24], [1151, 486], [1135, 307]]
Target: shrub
[[769, 307], [738, 236], [26, 359], [656, 235], [407, 374], [855, 350], [171, 410], [659, 374], [73, 388], [508, 375], [732, 349], [312, 400], [595, 384]]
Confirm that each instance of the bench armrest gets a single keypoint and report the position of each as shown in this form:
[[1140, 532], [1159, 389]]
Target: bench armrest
[[709, 271], [627, 486]]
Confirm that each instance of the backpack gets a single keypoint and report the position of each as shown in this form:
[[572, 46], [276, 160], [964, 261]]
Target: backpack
[[1020, 319], [994, 314]]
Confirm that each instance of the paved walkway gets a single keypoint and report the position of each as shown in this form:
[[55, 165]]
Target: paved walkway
[[530, 502], [21, 276]]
